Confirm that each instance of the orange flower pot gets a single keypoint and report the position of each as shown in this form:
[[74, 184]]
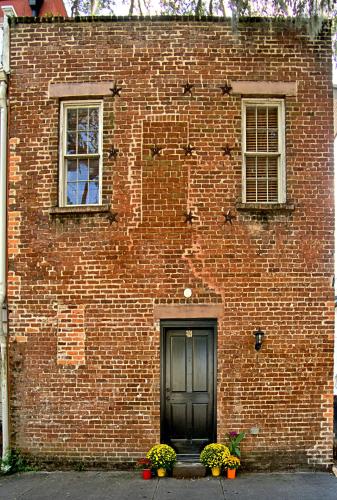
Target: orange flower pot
[[231, 473]]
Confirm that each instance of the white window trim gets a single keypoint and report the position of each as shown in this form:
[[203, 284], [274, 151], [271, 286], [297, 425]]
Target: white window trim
[[65, 105], [282, 148]]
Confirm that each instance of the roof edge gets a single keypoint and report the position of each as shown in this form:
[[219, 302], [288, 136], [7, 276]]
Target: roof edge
[[158, 18]]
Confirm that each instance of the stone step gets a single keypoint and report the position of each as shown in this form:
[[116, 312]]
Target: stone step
[[188, 470], [188, 457]]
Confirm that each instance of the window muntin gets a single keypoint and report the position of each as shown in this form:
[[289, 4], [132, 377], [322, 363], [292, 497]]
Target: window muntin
[[81, 153], [263, 151]]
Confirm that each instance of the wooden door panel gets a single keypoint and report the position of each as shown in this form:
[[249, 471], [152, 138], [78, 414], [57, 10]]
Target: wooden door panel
[[178, 420], [178, 364], [200, 363], [200, 421]]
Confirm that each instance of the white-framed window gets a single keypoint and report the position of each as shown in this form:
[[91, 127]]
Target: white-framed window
[[81, 153], [263, 151]]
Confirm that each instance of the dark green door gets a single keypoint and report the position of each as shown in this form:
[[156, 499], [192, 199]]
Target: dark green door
[[188, 386]]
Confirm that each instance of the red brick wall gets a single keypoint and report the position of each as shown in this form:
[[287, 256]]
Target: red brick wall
[[99, 281]]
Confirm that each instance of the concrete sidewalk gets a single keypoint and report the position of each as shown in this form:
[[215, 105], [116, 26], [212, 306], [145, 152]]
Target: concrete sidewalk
[[129, 486]]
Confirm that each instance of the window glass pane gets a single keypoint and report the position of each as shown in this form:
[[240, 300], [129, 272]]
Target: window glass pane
[[272, 140], [251, 129], [272, 190], [94, 169], [82, 143], [262, 190], [261, 118], [273, 167], [250, 190], [92, 142], [93, 119], [251, 117], [71, 143], [272, 129], [72, 193], [261, 121], [93, 192], [273, 117], [251, 166], [251, 139], [261, 166], [82, 193], [262, 140], [71, 119], [83, 173], [82, 122], [71, 170]]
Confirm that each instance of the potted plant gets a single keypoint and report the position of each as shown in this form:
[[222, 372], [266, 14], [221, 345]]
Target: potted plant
[[163, 458], [212, 456], [146, 465], [233, 440], [232, 463]]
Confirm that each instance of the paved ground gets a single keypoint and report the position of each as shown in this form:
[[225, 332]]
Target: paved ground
[[129, 486]]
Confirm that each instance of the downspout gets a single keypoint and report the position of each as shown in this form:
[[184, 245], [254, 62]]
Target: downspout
[[3, 266], [3, 241]]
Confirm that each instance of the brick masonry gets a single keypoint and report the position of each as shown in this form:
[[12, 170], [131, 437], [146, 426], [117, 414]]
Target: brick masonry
[[83, 289]]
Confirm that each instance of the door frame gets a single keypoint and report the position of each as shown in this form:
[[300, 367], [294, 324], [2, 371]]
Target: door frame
[[186, 323]]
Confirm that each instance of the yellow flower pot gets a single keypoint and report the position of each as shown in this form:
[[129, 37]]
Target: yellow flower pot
[[161, 472], [216, 471]]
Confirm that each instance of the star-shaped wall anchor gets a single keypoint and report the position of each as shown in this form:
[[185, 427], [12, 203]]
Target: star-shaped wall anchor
[[226, 89], [229, 217], [113, 217], [227, 150], [155, 150], [113, 153], [187, 88], [116, 91], [189, 217], [188, 150]]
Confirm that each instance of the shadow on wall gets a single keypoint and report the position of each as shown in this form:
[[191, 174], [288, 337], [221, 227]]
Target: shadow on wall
[[335, 427]]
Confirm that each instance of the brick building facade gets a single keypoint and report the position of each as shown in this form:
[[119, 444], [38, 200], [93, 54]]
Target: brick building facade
[[132, 145]]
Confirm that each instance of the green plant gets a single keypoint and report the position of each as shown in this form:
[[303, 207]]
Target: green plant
[[162, 456], [232, 462], [213, 455], [143, 463], [233, 440], [14, 462], [79, 466]]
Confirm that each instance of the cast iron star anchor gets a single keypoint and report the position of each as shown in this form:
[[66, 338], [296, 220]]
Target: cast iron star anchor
[[226, 89], [229, 217], [189, 217], [113, 217], [227, 151], [116, 91], [155, 150], [113, 153], [188, 88], [188, 150]]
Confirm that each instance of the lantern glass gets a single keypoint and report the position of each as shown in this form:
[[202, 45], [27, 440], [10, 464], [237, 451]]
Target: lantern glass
[[258, 339]]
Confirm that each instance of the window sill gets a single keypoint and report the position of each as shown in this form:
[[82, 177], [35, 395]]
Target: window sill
[[267, 208], [85, 209]]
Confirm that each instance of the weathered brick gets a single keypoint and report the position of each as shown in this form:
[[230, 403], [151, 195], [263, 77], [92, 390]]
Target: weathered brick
[[85, 339]]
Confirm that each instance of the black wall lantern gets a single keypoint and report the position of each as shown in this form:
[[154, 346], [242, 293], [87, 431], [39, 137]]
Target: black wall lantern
[[258, 339]]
